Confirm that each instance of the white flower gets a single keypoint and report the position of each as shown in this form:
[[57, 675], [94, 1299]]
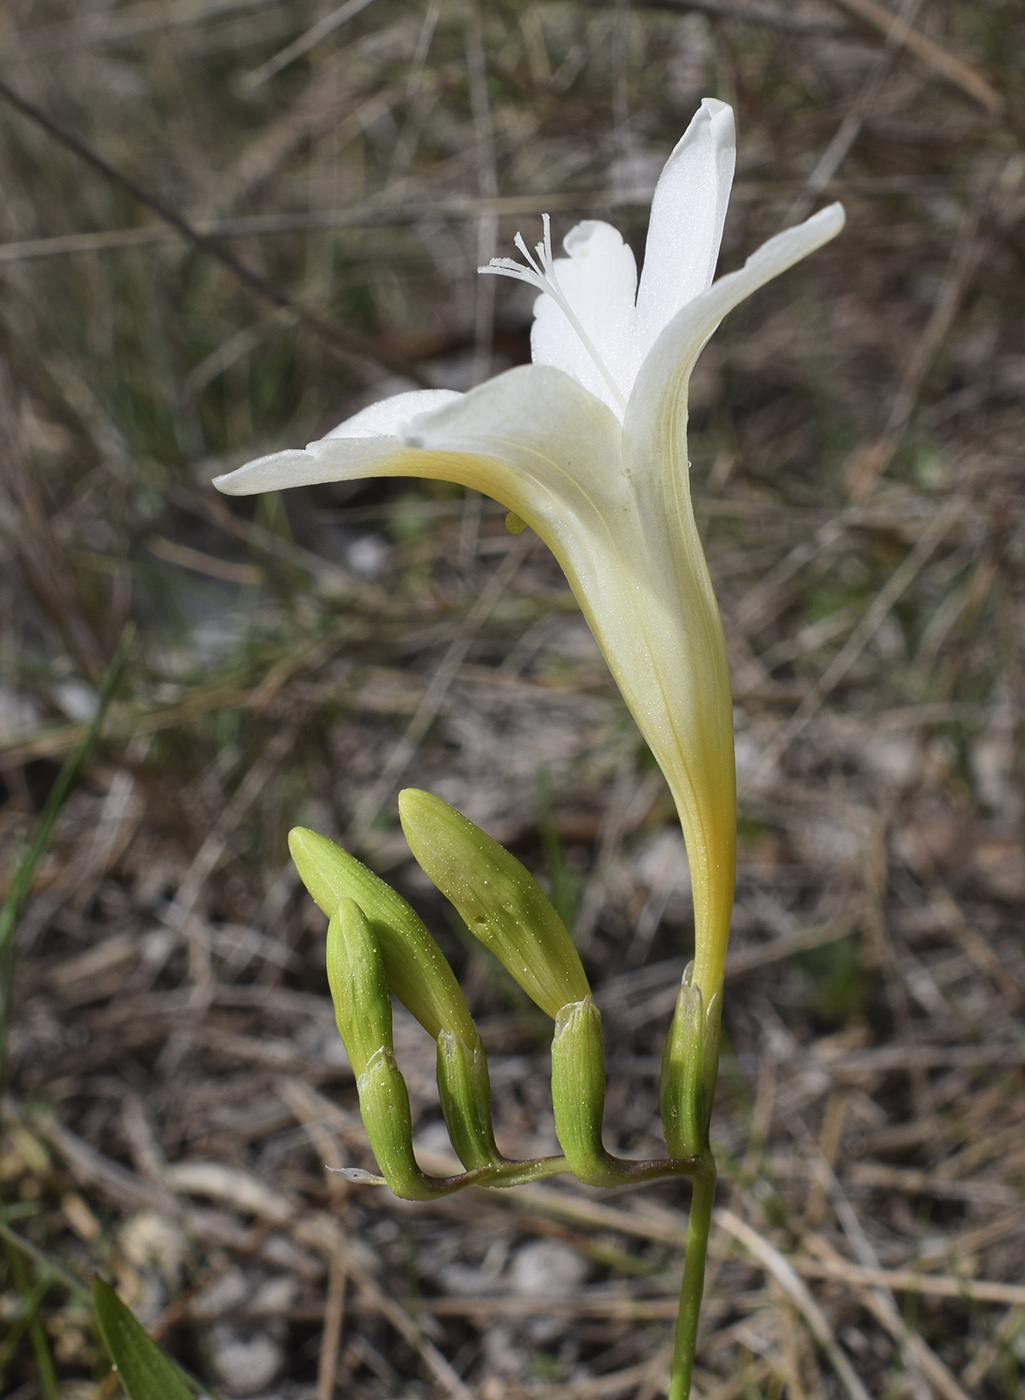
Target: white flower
[[588, 445]]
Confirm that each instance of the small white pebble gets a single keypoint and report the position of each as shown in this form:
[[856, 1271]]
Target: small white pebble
[[544, 1267], [367, 555], [245, 1362]]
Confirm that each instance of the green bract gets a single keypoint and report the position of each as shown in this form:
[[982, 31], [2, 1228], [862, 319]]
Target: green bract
[[690, 1062]]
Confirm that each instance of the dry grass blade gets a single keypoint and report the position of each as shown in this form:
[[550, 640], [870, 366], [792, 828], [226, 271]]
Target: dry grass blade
[[859, 638], [361, 356], [334, 1312], [781, 1270], [847, 133], [331, 22], [880, 1303], [907, 1281], [956, 70], [866, 465]]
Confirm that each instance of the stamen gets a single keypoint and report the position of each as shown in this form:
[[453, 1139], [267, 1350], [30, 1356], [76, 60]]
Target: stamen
[[540, 273]]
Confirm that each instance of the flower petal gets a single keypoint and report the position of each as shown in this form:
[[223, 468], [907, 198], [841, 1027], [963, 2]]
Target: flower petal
[[389, 417], [371, 436], [691, 734], [687, 215], [599, 280], [531, 438], [658, 403], [534, 440]]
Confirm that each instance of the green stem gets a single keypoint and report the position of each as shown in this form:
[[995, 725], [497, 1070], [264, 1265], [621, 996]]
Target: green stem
[[30, 1301], [20, 885], [698, 1225]]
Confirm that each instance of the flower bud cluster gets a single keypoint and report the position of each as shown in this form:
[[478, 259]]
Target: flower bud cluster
[[377, 948]]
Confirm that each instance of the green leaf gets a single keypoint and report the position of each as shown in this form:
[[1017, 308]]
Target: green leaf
[[145, 1371]]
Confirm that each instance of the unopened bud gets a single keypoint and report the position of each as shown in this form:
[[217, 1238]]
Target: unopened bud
[[498, 899], [416, 971], [355, 972], [359, 990], [415, 967]]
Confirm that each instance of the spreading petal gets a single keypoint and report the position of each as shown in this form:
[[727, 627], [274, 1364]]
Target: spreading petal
[[531, 438], [660, 392], [370, 437], [599, 280], [687, 216]]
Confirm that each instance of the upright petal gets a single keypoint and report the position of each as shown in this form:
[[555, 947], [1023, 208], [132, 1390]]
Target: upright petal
[[599, 281], [687, 215]]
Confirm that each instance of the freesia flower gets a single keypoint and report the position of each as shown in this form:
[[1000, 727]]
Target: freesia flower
[[588, 446]]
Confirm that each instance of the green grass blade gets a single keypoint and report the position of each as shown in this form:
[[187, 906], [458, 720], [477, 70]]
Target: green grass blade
[[28, 864], [31, 1299], [144, 1370], [46, 1264]]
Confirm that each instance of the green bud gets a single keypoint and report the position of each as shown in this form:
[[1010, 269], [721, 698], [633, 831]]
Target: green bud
[[500, 902], [464, 1088], [415, 970], [355, 974], [690, 1064], [415, 966], [578, 1093]]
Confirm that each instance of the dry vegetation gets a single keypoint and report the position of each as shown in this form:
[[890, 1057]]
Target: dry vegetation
[[174, 1083]]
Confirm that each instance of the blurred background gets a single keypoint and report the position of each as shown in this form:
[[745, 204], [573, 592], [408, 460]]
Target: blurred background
[[225, 225]]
